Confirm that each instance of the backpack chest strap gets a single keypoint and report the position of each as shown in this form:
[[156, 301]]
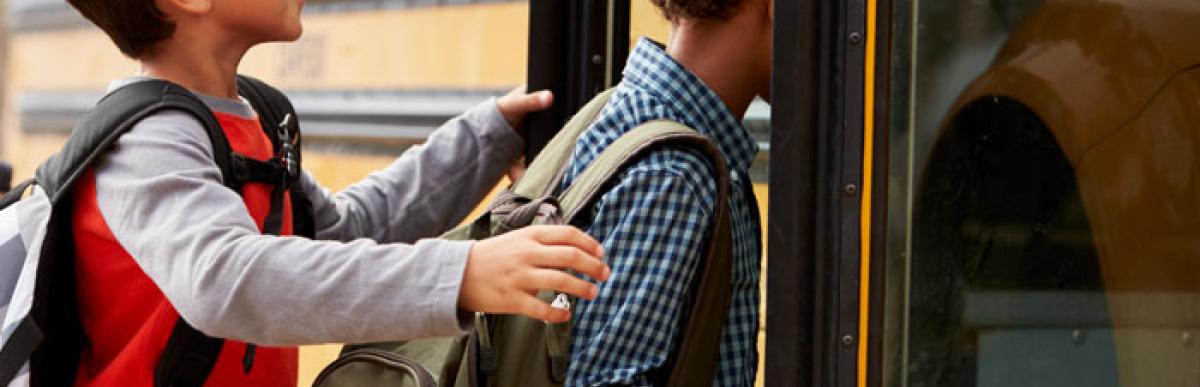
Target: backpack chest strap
[[249, 170]]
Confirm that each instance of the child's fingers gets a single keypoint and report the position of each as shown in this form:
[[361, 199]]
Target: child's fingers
[[563, 257], [530, 102], [520, 101], [516, 104], [567, 236], [547, 279], [532, 307]]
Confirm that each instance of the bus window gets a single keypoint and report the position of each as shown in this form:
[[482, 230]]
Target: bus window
[[1044, 194]]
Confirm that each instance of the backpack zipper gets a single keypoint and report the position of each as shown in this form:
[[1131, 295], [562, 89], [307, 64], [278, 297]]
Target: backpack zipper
[[287, 149], [387, 358]]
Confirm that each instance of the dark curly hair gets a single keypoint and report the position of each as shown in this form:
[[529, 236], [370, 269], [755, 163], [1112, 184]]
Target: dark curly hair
[[697, 9], [134, 25]]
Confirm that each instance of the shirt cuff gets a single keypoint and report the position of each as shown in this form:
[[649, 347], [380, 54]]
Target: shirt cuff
[[449, 319], [489, 125]]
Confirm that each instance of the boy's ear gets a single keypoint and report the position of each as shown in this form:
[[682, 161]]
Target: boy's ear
[[194, 7]]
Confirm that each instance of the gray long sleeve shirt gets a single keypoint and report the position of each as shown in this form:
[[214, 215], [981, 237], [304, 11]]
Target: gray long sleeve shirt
[[161, 194]]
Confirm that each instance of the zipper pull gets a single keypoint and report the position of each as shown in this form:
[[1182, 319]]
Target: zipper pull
[[286, 150], [561, 301], [283, 128]]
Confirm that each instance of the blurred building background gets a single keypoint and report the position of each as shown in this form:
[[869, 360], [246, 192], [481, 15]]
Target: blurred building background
[[369, 78]]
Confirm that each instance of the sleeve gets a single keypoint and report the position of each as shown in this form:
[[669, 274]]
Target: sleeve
[[653, 225], [194, 238], [428, 189]]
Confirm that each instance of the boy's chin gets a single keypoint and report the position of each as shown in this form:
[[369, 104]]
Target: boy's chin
[[293, 32], [288, 35], [293, 37]]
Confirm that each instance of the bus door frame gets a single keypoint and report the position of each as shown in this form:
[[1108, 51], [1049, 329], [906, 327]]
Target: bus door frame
[[819, 137], [577, 49]]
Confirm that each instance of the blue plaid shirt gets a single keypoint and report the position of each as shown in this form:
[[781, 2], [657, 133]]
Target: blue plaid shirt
[[653, 224]]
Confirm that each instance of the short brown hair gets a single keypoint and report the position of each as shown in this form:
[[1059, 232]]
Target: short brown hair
[[134, 25], [697, 9]]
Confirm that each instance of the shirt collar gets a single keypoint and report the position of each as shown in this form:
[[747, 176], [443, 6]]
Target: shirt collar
[[652, 70]]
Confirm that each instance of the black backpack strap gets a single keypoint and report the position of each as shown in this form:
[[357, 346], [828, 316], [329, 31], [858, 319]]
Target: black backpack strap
[[21, 345], [115, 115], [280, 122], [15, 194]]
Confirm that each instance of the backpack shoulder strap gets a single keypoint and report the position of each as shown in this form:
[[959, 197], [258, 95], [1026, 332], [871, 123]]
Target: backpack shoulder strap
[[548, 167], [15, 194], [695, 359], [273, 108], [114, 116], [276, 114], [280, 122]]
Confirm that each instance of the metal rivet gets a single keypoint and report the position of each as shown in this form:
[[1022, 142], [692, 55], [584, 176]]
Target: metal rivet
[[597, 59], [851, 189], [847, 340], [855, 38], [1077, 336], [1188, 339]]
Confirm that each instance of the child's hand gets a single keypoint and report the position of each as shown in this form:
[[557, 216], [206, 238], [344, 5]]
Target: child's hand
[[517, 104], [504, 273]]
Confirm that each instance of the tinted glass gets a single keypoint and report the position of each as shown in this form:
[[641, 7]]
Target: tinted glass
[[1044, 209]]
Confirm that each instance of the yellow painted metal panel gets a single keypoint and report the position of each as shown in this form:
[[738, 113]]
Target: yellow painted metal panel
[[647, 20], [455, 47]]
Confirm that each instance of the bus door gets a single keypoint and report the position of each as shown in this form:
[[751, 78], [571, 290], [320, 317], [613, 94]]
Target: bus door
[[985, 193]]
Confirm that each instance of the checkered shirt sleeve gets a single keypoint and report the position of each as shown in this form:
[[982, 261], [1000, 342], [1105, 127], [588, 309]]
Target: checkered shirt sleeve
[[653, 225]]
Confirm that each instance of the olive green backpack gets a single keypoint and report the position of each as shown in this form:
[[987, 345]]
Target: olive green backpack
[[511, 350]]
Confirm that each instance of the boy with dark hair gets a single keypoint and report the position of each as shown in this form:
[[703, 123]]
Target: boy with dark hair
[[159, 236], [653, 221]]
